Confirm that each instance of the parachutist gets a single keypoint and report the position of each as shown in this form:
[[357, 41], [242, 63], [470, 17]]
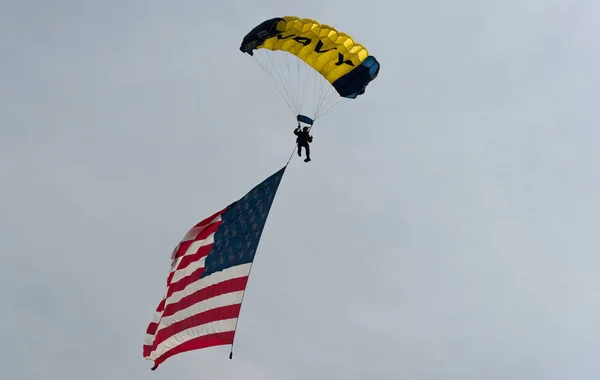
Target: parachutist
[[303, 139]]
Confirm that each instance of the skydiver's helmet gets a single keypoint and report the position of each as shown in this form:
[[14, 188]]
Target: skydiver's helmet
[[305, 129]]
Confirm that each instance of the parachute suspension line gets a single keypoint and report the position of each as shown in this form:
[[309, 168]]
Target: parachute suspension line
[[283, 78], [280, 73], [326, 97], [286, 77], [321, 96], [329, 95], [336, 105], [280, 90], [298, 69], [325, 110], [292, 78], [270, 69], [311, 74], [316, 92], [300, 94]]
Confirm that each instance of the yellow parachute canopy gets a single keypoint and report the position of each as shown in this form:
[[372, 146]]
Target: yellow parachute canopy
[[345, 64]]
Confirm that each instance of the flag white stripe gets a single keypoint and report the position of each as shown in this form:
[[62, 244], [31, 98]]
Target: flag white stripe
[[195, 231], [230, 273], [192, 333], [227, 299], [156, 316], [182, 273], [215, 278], [193, 248], [200, 243]]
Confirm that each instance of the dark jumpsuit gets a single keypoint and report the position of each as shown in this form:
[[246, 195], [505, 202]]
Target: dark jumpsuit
[[303, 139]]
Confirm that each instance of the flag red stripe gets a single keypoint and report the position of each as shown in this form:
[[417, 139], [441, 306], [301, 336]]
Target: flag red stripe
[[193, 257], [210, 218], [187, 260], [151, 330], [217, 314], [217, 339], [152, 326], [184, 282], [184, 245], [227, 286]]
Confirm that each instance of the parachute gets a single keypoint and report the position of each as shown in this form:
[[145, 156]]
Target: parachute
[[314, 67]]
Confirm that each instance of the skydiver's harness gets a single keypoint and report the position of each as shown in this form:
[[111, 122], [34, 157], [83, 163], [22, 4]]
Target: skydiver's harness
[[306, 120], [302, 140]]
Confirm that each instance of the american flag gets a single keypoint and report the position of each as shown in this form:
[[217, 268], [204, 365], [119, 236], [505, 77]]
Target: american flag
[[209, 272]]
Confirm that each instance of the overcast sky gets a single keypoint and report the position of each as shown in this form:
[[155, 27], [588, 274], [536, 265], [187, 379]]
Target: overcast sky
[[446, 228]]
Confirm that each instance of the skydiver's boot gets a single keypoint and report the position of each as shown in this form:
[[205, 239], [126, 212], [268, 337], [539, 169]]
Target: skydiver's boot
[[307, 149]]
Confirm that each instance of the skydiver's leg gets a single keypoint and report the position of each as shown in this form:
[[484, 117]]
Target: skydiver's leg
[[299, 150], [307, 149]]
